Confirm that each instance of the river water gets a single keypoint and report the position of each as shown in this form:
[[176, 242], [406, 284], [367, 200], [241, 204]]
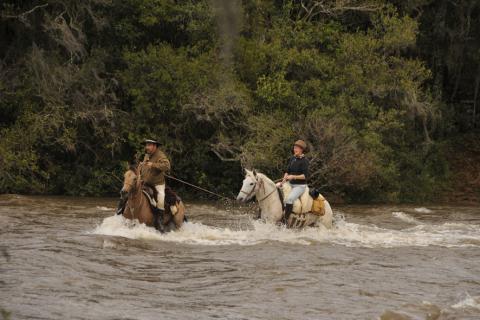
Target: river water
[[71, 258]]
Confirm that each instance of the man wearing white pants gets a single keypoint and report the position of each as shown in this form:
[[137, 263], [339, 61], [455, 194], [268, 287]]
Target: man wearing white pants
[[160, 196], [155, 165]]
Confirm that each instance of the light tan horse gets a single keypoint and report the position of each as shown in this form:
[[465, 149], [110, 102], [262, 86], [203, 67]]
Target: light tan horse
[[271, 208], [138, 206]]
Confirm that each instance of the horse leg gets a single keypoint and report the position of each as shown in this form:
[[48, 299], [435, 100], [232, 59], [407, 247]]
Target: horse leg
[[179, 218], [290, 222], [158, 216], [303, 219], [121, 204], [126, 213], [296, 221], [258, 216], [170, 226], [288, 212], [169, 218]]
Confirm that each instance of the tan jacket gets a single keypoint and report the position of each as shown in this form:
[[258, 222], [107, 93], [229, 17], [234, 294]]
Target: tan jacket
[[155, 174]]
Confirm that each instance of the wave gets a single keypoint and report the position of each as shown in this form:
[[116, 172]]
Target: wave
[[344, 233], [102, 208], [468, 303], [405, 217], [423, 210]]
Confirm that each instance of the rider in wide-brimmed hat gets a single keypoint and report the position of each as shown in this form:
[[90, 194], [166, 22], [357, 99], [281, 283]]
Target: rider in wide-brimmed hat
[[155, 166], [296, 174]]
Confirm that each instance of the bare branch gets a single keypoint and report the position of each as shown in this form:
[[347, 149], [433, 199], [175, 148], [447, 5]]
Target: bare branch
[[312, 9], [22, 16], [220, 150]]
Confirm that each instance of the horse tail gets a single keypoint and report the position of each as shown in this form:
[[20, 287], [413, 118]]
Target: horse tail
[[327, 218]]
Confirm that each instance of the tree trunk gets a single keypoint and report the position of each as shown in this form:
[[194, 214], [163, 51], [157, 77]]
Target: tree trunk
[[475, 96]]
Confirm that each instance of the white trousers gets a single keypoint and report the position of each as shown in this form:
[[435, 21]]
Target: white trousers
[[297, 192], [161, 196]]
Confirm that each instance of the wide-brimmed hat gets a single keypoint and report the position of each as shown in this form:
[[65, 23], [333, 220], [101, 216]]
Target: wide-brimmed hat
[[152, 141], [302, 144]]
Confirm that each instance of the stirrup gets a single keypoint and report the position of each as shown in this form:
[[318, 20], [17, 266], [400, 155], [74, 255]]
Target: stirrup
[[158, 211]]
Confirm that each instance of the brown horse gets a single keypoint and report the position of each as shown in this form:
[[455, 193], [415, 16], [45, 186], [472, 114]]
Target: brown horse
[[138, 205]]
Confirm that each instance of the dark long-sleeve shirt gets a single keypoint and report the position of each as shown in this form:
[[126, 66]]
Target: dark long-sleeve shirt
[[297, 166]]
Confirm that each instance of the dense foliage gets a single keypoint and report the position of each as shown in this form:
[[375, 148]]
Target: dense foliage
[[379, 89]]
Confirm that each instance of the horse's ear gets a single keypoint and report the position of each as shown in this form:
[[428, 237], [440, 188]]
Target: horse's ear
[[247, 172], [254, 172]]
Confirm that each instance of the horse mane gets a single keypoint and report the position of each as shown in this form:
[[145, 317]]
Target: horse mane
[[262, 176], [132, 167], [266, 179], [258, 173]]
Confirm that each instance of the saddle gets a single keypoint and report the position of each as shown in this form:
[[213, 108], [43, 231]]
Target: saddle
[[151, 194], [171, 198], [311, 201]]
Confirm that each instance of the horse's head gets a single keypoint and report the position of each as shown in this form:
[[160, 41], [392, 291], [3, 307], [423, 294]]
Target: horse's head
[[129, 181], [249, 186]]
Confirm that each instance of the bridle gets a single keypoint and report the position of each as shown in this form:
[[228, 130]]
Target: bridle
[[249, 194], [131, 183], [262, 184], [135, 187]]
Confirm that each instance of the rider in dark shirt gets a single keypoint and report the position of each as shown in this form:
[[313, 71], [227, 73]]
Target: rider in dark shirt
[[298, 166], [297, 175]]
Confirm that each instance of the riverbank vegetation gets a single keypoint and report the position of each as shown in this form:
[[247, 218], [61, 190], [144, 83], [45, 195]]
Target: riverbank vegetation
[[384, 92]]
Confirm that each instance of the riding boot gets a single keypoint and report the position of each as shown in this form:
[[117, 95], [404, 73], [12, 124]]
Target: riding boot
[[288, 212]]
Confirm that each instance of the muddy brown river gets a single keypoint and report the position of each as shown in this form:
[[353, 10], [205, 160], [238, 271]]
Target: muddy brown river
[[71, 258]]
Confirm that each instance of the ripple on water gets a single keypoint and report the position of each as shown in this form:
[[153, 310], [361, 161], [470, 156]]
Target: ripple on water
[[57, 263]]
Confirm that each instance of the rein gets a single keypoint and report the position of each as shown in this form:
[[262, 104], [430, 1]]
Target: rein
[[197, 187], [268, 195]]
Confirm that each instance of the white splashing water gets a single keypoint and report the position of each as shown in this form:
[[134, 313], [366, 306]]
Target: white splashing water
[[405, 217], [344, 233], [102, 208], [468, 302], [423, 210], [197, 233]]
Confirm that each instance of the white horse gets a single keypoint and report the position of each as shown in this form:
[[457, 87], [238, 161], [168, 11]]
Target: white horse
[[271, 207]]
